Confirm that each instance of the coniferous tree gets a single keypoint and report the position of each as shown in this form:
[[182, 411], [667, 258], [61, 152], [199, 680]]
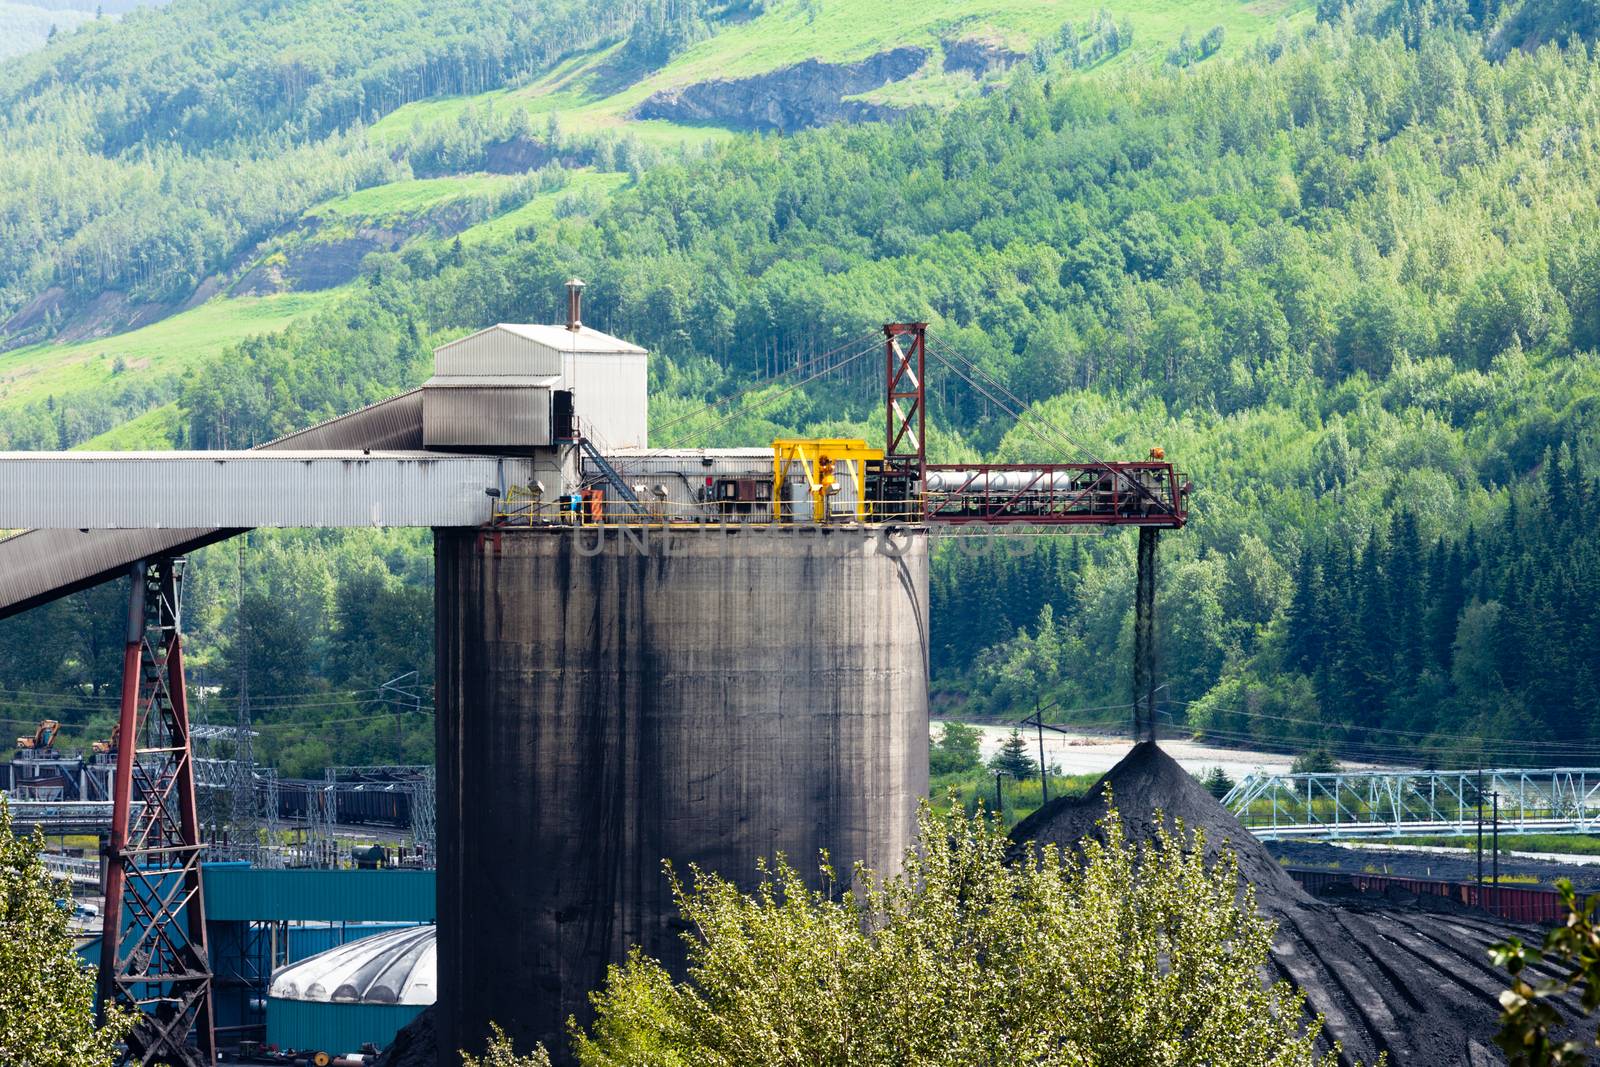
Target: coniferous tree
[[1013, 757]]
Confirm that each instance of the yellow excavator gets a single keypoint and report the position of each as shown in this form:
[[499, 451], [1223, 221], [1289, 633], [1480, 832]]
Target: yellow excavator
[[108, 748], [43, 740]]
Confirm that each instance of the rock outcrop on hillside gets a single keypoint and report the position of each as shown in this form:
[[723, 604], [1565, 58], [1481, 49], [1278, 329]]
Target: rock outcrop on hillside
[[807, 94], [979, 56]]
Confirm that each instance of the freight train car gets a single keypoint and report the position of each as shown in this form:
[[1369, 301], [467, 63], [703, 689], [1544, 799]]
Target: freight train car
[[355, 803]]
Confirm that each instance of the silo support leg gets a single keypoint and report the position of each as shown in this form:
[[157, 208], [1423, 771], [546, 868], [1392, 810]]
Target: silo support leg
[[1144, 645]]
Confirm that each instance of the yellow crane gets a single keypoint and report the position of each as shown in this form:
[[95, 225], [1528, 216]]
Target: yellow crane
[[818, 459]]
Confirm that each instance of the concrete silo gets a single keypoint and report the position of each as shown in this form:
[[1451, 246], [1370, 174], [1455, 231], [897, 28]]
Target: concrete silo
[[608, 699]]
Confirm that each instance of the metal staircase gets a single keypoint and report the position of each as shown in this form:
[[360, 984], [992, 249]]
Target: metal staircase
[[609, 473]]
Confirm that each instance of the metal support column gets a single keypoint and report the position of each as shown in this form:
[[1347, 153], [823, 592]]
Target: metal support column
[[1144, 643], [904, 349], [905, 443], [153, 951]]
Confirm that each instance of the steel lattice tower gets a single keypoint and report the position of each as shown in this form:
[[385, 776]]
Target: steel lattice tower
[[245, 811], [153, 953]]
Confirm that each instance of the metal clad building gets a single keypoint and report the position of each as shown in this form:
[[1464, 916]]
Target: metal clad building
[[501, 350], [500, 387], [241, 893], [488, 412]]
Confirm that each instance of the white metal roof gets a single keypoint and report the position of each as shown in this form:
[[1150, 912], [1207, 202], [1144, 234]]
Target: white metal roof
[[398, 967], [583, 339], [556, 338], [494, 381]]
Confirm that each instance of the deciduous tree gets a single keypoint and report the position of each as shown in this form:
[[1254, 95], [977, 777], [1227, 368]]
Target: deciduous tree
[[974, 954], [46, 991]]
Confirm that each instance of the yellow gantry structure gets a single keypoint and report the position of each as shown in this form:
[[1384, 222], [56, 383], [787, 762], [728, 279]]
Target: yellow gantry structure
[[818, 460]]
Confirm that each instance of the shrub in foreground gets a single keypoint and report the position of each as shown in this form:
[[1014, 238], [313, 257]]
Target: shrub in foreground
[[979, 952], [46, 992]]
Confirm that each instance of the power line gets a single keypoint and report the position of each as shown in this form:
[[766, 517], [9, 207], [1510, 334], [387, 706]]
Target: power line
[[67, 699], [1529, 752], [1016, 408], [421, 709], [761, 383], [699, 436], [1419, 735]]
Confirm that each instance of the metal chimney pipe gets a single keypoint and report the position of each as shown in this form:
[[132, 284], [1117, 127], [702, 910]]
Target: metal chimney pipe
[[575, 304]]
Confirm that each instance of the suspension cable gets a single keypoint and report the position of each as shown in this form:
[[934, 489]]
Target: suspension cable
[[762, 382], [695, 439]]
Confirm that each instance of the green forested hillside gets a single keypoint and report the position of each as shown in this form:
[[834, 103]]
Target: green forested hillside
[[1348, 278], [143, 153], [150, 157]]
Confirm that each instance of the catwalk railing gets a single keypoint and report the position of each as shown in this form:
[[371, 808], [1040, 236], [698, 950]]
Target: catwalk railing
[[1062, 495], [1393, 803]]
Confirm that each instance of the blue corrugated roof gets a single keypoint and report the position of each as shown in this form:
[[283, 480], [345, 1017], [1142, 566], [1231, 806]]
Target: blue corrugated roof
[[242, 893]]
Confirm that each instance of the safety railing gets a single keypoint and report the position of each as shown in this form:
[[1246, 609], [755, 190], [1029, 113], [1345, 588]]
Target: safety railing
[[1102, 494], [520, 507], [986, 497]]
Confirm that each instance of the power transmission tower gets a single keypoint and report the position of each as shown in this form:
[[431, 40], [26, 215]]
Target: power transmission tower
[[245, 811]]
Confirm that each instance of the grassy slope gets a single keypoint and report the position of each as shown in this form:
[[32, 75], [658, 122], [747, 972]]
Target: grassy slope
[[39, 371], [155, 429], [398, 201], [847, 30], [1556, 844], [542, 208]]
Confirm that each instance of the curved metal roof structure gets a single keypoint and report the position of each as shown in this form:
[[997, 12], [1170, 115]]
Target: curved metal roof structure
[[398, 967]]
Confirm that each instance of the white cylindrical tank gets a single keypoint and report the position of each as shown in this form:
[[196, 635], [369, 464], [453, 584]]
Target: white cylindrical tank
[[977, 481]]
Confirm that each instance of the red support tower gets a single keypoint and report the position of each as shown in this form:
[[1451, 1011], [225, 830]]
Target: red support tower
[[905, 448], [1151, 494], [153, 950]]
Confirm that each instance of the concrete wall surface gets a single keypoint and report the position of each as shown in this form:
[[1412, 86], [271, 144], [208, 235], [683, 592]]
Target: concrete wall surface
[[606, 702]]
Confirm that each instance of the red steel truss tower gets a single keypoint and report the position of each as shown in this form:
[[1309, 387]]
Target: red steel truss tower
[[153, 950]]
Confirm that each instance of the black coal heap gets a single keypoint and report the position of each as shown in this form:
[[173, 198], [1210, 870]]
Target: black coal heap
[[1145, 782], [1385, 977]]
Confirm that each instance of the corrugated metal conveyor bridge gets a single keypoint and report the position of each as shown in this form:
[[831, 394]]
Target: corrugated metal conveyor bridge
[[89, 516]]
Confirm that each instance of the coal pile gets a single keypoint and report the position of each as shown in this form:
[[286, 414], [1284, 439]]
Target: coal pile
[[416, 1045], [1399, 977], [1146, 781]]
